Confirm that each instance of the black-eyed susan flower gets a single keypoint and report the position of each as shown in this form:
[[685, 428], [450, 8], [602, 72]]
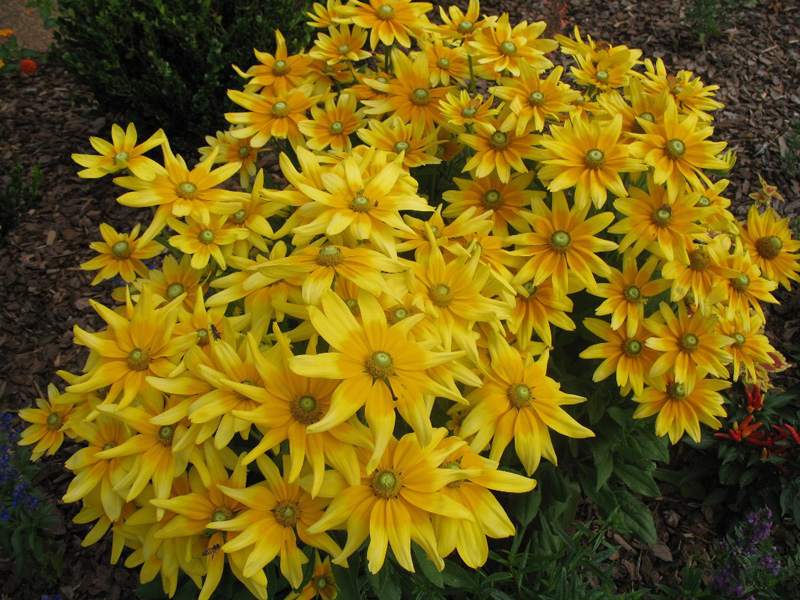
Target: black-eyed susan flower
[[119, 154], [460, 25], [176, 279], [498, 148], [749, 346], [322, 582], [48, 423], [605, 67], [462, 110], [324, 16], [121, 254], [748, 289], [687, 344], [340, 44], [702, 272], [388, 20], [232, 150], [771, 247], [393, 503], [589, 157], [205, 240], [688, 91], [446, 63], [562, 241], [331, 125], [637, 103], [277, 74], [410, 140], [535, 309], [681, 406], [518, 402], [504, 48]]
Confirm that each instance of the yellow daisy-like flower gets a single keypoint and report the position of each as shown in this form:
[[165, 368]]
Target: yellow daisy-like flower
[[748, 290], [392, 504], [650, 216], [397, 137], [677, 150], [505, 202], [533, 99], [498, 148], [459, 25], [333, 124], [722, 219], [131, 349], [687, 90], [604, 68], [205, 240], [233, 150], [272, 116], [589, 157], [341, 45], [770, 244], [623, 354], [48, 423], [120, 254], [688, 344], [504, 49], [682, 406], [377, 364], [322, 582], [121, 153], [277, 75], [179, 192], [324, 16], [703, 272], [462, 110], [749, 347], [562, 241], [175, 279], [535, 308], [445, 63], [519, 402], [276, 514], [627, 291], [388, 20], [410, 95], [636, 104]]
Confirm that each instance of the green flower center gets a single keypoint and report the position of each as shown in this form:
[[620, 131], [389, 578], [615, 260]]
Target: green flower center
[[498, 140], [380, 365], [699, 260], [221, 513], [381, 80], [469, 112], [508, 47], [401, 146], [280, 108], [385, 12], [187, 190], [243, 151], [443, 63], [202, 337], [648, 116], [206, 236], [337, 127], [343, 49], [397, 314], [174, 290], [688, 342], [704, 202], [121, 249], [632, 294], [595, 159], [352, 305], [632, 347], [420, 96], [531, 289], [441, 295], [465, 26], [286, 513], [738, 339], [360, 204], [138, 359], [675, 148], [536, 99], [121, 159], [676, 391], [491, 199], [108, 446], [54, 421], [305, 410], [239, 217], [769, 247], [519, 395], [329, 256], [321, 583], [741, 283], [560, 241], [662, 217], [602, 76], [165, 435], [281, 67], [386, 484]]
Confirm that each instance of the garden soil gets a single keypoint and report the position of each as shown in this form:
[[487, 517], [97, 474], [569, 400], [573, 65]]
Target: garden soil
[[47, 116]]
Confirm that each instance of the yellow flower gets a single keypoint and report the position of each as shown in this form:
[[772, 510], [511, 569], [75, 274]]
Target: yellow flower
[[770, 244], [748, 289], [605, 67], [636, 104], [688, 345], [650, 216], [589, 157], [175, 279], [205, 240], [627, 292], [322, 582], [252, 219], [682, 406], [393, 504], [272, 116], [131, 349], [519, 402], [498, 148], [377, 364], [279, 74], [121, 153], [445, 63], [324, 16], [677, 150], [687, 90], [410, 95], [276, 513], [535, 100], [397, 137], [703, 273], [120, 254], [48, 423], [232, 150], [535, 308], [462, 26], [563, 241], [388, 20], [505, 49], [332, 125], [341, 45], [748, 348], [462, 110], [622, 353]]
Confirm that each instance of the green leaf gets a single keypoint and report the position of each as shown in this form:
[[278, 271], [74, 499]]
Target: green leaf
[[604, 463], [454, 576], [385, 583], [634, 517], [347, 580], [639, 480], [427, 567], [525, 507]]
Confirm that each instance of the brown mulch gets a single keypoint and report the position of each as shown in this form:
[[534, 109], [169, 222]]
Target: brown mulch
[[44, 293]]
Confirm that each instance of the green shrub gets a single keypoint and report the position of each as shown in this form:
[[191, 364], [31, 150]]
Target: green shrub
[[18, 196], [167, 63]]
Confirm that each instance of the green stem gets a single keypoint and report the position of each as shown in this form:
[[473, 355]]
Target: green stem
[[388, 58], [471, 75]]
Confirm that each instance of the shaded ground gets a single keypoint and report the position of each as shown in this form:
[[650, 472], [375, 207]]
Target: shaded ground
[[46, 117]]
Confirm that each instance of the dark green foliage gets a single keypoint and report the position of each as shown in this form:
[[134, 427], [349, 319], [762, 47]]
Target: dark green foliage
[[791, 159], [167, 63], [708, 18], [18, 196]]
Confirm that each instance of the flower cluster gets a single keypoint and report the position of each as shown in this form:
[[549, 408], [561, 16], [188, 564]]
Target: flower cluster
[[358, 350]]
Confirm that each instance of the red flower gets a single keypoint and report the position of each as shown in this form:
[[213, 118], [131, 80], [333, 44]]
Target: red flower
[[26, 65]]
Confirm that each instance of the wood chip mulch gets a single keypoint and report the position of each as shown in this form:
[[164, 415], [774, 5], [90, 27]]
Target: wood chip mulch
[[44, 293]]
